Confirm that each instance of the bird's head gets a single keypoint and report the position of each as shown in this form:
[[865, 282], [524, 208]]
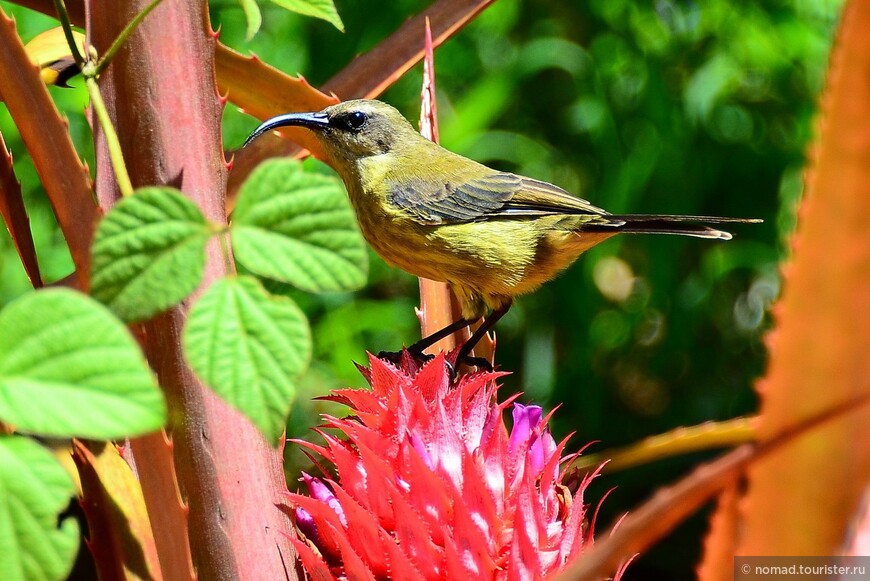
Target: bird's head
[[349, 131]]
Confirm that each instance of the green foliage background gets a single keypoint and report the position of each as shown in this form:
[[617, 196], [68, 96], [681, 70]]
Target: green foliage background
[[670, 107]]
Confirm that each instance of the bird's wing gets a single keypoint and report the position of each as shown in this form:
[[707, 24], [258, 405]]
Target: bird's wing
[[543, 198], [495, 195]]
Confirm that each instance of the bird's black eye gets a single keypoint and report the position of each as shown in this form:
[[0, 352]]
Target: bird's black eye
[[355, 120]]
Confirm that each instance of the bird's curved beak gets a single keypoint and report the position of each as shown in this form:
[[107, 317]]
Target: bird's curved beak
[[314, 121]]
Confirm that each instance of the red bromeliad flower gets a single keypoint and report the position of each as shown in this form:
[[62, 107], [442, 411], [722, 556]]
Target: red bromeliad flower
[[431, 485]]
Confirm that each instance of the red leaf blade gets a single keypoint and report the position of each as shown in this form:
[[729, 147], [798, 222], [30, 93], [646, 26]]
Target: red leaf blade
[[15, 216]]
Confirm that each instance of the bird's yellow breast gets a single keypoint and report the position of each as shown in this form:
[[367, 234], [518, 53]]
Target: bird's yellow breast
[[486, 262]]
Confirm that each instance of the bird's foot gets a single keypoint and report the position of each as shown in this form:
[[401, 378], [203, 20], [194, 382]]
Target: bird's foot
[[395, 357], [478, 362], [468, 361], [420, 358]]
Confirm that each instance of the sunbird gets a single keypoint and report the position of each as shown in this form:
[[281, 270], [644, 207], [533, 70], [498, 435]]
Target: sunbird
[[490, 235]]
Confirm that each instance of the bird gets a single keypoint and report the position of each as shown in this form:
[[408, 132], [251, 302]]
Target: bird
[[490, 235]]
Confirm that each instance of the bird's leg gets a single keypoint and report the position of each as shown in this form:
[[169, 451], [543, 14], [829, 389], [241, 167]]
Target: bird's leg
[[426, 342], [488, 323], [416, 350], [463, 357]]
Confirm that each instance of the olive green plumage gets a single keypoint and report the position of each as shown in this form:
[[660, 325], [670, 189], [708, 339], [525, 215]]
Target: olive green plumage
[[490, 235]]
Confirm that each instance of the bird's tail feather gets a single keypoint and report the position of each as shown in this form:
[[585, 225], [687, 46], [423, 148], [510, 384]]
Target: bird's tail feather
[[696, 226]]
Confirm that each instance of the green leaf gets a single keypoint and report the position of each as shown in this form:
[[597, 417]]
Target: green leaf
[[253, 17], [149, 253], [34, 489], [249, 347], [297, 227], [69, 368], [323, 9]]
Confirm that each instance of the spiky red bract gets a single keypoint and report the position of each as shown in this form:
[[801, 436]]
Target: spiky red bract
[[432, 485]]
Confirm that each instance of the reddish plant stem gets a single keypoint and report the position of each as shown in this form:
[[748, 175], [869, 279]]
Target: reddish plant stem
[[160, 93], [438, 304]]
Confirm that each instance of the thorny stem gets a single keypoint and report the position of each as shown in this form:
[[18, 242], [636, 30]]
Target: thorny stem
[[122, 37], [63, 16]]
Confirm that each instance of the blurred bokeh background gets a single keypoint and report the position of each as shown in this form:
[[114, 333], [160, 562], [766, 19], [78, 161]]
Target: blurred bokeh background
[[641, 107]]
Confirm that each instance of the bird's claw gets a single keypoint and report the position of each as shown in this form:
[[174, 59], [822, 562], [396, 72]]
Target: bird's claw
[[468, 361], [395, 357], [478, 362]]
